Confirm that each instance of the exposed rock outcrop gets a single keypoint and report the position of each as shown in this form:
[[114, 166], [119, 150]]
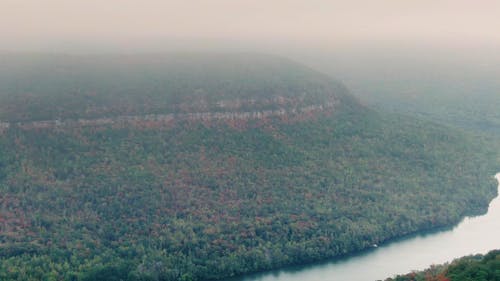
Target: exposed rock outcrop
[[159, 119]]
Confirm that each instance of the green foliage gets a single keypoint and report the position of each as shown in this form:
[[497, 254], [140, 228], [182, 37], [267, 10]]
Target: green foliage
[[108, 273], [215, 202], [476, 268], [209, 200]]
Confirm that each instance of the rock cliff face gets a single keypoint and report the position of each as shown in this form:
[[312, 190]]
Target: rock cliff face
[[290, 113], [62, 92]]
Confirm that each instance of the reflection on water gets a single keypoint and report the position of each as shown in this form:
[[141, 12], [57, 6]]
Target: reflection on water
[[473, 235]]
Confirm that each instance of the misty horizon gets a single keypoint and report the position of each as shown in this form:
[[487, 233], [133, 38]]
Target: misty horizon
[[223, 25]]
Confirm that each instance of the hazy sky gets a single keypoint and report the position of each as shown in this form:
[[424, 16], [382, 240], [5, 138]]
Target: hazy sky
[[32, 24]]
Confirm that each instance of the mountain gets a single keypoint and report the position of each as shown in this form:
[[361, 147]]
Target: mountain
[[40, 87], [202, 167]]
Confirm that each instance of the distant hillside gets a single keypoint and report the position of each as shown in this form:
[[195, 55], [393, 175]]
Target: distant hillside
[[448, 88], [40, 87], [201, 167]]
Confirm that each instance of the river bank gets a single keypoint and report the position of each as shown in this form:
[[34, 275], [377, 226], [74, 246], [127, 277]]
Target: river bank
[[474, 234]]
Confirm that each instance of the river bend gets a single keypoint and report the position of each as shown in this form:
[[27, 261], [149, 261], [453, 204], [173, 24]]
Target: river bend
[[472, 235]]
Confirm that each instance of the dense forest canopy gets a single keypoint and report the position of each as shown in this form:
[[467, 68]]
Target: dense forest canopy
[[205, 199], [476, 268]]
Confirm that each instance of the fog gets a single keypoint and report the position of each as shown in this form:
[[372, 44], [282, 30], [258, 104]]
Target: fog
[[366, 44], [269, 26]]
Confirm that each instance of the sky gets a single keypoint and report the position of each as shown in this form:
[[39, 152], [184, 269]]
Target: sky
[[121, 24]]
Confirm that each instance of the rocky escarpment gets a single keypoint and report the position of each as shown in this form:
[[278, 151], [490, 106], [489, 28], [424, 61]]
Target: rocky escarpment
[[296, 113]]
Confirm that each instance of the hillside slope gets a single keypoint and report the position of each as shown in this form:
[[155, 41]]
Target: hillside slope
[[169, 168], [41, 87]]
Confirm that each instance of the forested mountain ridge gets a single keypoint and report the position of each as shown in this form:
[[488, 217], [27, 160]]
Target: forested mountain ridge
[[205, 199], [42, 87]]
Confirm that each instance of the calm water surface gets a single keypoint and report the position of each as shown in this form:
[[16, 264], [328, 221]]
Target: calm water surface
[[471, 236]]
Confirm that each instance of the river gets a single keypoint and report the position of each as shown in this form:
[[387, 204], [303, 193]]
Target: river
[[471, 236]]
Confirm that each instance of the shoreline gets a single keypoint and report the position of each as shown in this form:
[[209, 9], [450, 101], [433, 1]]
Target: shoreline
[[292, 268]]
